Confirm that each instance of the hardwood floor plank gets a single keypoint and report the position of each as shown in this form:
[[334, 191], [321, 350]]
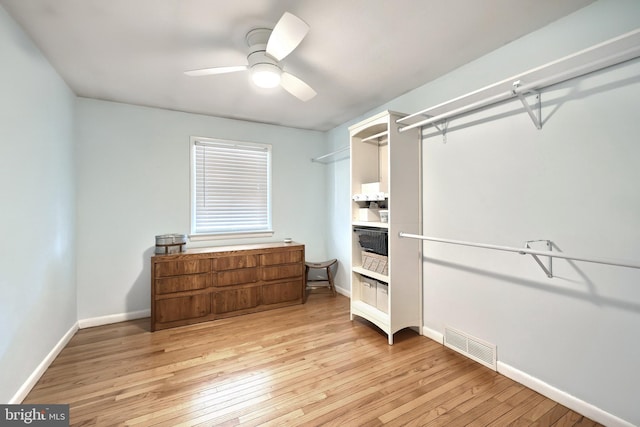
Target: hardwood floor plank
[[551, 416], [442, 404], [527, 400], [568, 420], [535, 413], [585, 422], [299, 365], [471, 409], [448, 382]]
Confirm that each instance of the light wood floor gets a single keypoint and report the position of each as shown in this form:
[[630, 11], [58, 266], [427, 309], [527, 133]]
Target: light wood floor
[[301, 365]]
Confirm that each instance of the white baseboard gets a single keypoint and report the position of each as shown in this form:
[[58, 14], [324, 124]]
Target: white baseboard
[[24, 390], [571, 402], [113, 318], [433, 334], [343, 291]]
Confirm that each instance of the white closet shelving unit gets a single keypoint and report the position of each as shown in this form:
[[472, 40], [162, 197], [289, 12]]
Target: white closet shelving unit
[[379, 153]]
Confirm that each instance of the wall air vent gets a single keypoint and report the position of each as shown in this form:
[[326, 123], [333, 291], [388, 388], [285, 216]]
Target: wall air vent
[[472, 347]]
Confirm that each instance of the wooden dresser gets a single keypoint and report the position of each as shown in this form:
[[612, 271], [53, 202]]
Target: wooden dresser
[[205, 284]]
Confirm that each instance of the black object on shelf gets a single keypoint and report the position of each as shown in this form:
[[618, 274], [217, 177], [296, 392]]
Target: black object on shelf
[[373, 239]]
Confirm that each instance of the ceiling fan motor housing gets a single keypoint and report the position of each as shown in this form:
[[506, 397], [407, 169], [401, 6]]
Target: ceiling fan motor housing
[[265, 70], [257, 41]]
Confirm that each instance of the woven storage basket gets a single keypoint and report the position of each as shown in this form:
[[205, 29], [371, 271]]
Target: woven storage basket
[[375, 262]]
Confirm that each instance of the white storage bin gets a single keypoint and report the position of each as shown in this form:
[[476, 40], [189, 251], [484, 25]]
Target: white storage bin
[[366, 214], [370, 187], [382, 297], [369, 291]]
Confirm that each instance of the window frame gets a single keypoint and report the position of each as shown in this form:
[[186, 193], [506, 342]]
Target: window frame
[[236, 234]]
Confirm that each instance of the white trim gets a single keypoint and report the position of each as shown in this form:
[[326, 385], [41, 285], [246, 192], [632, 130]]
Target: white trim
[[343, 291], [433, 334], [113, 318], [571, 402], [33, 379]]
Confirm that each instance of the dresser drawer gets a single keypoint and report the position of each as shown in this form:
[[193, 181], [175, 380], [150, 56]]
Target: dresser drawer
[[178, 267], [282, 292], [282, 271], [226, 301], [235, 262], [236, 277], [287, 257], [191, 282], [182, 308]]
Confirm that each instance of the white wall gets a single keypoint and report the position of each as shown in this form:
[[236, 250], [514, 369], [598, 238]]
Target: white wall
[[574, 182], [133, 184], [339, 207], [37, 266]]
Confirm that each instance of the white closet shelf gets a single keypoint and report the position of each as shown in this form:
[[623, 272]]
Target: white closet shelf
[[380, 318], [370, 224], [603, 55], [369, 273]]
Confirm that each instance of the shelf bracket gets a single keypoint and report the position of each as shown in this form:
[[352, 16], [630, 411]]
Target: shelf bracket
[[536, 116], [548, 269], [443, 129]]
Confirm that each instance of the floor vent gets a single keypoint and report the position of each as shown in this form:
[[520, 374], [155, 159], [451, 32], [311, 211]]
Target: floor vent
[[472, 347]]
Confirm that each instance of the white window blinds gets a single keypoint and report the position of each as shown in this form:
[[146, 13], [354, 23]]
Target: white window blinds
[[231, 187]]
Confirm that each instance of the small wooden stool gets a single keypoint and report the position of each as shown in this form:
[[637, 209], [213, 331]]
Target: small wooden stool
[[326, 265]]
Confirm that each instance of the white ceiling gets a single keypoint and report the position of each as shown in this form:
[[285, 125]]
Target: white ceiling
[[358, 54]]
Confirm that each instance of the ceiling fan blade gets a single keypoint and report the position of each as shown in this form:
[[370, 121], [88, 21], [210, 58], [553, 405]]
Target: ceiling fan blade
[[216, 70], [286, 35], [297, 87]]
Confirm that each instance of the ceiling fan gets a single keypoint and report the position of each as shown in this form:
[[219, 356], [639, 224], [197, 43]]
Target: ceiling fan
[[266, 49]]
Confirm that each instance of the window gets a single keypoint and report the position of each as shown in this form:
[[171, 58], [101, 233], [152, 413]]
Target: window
[[230, 188]]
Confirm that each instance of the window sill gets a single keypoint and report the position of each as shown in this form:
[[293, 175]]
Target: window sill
[[245, 235]]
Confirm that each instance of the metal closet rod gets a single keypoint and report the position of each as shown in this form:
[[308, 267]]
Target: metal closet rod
[[523, 251], [577, 71], [317, 159]]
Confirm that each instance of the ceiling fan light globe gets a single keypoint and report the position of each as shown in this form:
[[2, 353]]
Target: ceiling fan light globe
[[266, 76]]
